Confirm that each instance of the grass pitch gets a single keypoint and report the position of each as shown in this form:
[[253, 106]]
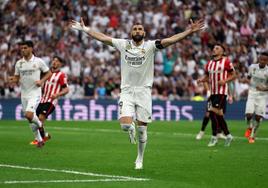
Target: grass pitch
[[98, 154]]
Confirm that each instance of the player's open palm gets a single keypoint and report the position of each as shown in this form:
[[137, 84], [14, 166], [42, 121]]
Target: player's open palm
[[196, 26], [80, 26]]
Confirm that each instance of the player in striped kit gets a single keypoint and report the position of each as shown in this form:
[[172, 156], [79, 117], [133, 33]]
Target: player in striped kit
[[28, 70], [54, 87], [218, 73], [257, 95], [137, 71]]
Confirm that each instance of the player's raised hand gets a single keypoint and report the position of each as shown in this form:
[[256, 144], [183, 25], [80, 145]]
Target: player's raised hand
[[75, 25], [196, 26], [80, 26]]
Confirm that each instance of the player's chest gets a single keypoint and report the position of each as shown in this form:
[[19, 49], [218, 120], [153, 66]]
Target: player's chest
[[216, 67], [136, 56], [53, 80], [28, 68], [259, 74]]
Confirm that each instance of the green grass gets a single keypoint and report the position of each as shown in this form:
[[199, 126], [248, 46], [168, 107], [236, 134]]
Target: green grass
[[173, 157]]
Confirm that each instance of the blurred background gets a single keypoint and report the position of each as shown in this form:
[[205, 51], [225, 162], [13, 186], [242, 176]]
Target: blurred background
[[94, 69]]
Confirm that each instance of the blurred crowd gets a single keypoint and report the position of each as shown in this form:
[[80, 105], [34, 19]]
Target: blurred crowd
[[93, 69]]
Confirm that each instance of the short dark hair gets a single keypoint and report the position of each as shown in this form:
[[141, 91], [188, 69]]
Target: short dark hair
[[264, 53], [59, 58], [221, 45], [28, 43], [137, 23]]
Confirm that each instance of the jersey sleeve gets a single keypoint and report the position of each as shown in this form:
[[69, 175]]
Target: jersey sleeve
[[119, 44], [250, 68], [43, 66], [17, 70], [63, 80], [229, 65], [206, 68]]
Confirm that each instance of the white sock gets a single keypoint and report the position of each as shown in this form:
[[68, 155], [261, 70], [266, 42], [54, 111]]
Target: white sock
[[142, 135], [255, 128], [128, 127], [249, 123], [36, 121], [36, 132]]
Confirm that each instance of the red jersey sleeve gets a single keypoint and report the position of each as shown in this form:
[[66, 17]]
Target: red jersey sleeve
[[63, 80], [206, 67], [228, 65]]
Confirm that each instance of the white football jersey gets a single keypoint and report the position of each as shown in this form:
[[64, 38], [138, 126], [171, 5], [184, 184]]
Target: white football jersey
[[29, 72], [259, 77], [137, 62]]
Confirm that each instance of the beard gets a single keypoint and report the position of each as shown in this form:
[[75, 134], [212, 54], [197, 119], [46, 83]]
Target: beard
[[137, 38]]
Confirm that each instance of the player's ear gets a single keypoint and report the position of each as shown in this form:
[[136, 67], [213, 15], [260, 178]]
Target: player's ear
[[144, 35]]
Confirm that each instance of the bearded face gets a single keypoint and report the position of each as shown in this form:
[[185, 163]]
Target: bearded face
[[137, 33], [137, 38]]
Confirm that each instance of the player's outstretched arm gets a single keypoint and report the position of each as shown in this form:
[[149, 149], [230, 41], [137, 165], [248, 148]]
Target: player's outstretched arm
[[80, 26], [192, 28]]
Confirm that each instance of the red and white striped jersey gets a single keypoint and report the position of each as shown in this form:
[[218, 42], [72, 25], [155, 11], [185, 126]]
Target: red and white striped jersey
[[53, 85], [218, 70]]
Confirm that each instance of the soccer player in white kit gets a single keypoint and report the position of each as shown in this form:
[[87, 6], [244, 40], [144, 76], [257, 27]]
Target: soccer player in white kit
[[28, 72], [257, 95], [137, 70]]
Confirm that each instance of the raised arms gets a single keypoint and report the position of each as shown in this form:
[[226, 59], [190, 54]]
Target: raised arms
[[80, 26], [193, 27]]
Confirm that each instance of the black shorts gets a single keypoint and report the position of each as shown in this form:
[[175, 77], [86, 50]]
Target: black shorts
[[218, 101], [45, 109]]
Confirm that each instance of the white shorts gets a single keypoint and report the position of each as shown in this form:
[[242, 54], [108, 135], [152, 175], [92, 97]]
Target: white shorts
[[30, 104], [256, 104], [136, 102]]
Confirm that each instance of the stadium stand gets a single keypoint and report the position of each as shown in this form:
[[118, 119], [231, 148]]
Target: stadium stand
[[93, 69]]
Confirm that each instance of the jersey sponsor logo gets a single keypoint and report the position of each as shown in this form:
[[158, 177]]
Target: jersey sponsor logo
[[134, 61], [27, 72]]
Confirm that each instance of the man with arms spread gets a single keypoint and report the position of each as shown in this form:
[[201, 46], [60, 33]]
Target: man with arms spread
[[257, 95], [137, 69], [28, 71], [219, 72]]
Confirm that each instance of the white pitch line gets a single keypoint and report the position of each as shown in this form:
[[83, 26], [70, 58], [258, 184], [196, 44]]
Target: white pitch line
[[74, 172], [66, 181]]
